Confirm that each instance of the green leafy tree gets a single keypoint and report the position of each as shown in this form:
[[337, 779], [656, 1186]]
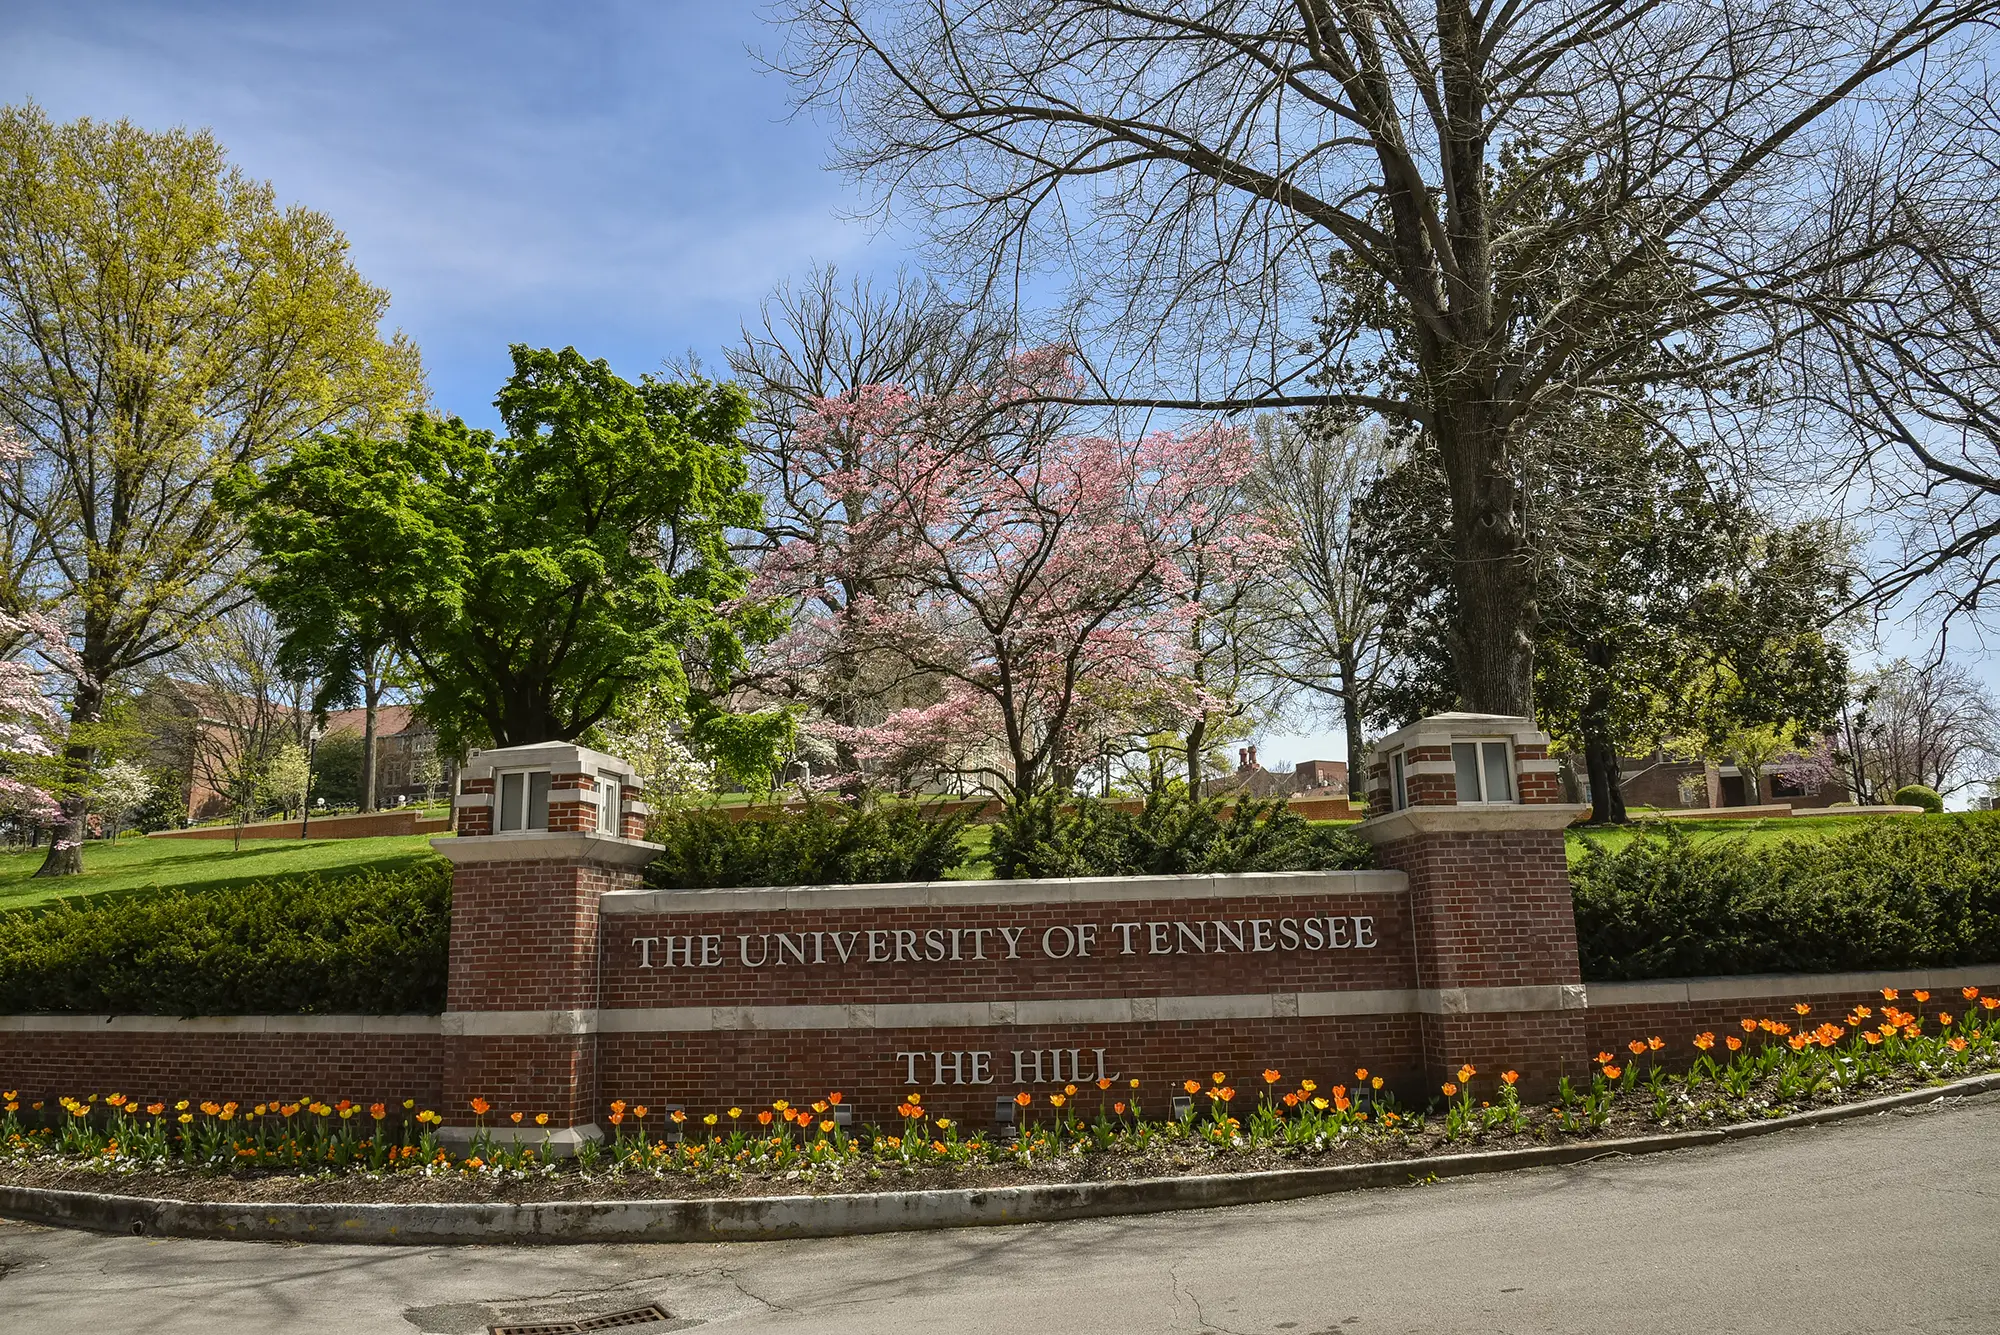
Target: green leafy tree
[[1670, 608], [162, 321], [533, 582]]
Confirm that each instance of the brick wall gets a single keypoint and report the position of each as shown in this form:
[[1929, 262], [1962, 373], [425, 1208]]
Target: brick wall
[[746, 1068], [1488, 908], [1612, 1025], [246, 1067]]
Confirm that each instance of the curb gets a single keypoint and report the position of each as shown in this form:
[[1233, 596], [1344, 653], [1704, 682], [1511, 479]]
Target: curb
[[761, 1218]]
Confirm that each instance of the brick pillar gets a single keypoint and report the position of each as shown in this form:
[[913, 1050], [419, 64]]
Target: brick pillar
[[521, 1000], [1491, 915]]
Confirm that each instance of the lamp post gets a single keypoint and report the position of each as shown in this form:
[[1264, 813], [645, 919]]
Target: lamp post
[[305, 798]]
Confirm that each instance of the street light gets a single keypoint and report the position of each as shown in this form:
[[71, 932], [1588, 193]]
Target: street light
[[305, 798]]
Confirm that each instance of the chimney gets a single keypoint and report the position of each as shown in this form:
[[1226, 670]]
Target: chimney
[[1253, 757], [1242, 759]]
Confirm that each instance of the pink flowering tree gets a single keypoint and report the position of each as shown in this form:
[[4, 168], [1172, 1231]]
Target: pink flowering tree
[[36, 671], [1021, 585], [38, 668]]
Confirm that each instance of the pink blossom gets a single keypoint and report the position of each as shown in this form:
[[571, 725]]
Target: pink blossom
[[1027, 582]]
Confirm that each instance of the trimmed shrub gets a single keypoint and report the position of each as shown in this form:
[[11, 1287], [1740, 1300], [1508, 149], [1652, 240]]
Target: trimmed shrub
[[1916, 795], [371, 944], [1894, 894], [829, 843], [1172, 835]]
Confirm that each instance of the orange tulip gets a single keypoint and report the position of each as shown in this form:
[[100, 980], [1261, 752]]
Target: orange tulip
[[1270, 1076], [1509, 1077]]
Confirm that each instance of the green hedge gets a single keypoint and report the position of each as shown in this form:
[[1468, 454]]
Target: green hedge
[[1171, 836], [1897, 894], [371, 944], [829, 843]]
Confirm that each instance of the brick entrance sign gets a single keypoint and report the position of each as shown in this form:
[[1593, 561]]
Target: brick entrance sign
[[571, 985]]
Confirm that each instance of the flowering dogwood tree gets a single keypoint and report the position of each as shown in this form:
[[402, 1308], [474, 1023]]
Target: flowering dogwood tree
[[1024, 582]]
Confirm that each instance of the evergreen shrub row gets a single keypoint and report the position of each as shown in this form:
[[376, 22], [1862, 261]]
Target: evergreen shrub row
[[1173, 835], [368, 944], [1894, 894], [828, 843]]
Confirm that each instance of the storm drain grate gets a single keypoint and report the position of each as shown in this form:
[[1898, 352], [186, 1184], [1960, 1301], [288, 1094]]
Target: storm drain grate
[[638, 1316]]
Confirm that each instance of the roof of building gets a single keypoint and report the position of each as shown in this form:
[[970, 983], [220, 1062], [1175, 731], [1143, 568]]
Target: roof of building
[[390, 720]]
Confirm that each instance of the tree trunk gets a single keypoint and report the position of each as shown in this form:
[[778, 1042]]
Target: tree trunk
[[1492, 644], [1195, 736], [1350, 719], [1600, 748], [371, 694], [65, 856], [1607, 782]]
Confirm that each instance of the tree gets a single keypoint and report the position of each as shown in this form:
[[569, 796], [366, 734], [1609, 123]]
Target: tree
[[121, 790], [32, 727], [242, 709], [286, 776], [1550, 201], [1673, 608], [162, 321], [1037, 577], [651, 736], [1326, 602], [537, 582], [337, 764], [1933, 724], [817, 343]]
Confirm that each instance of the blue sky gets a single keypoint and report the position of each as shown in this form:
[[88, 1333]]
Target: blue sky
[[621, 177]]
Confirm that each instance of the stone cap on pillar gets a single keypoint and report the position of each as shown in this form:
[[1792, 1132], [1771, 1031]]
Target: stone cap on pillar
[[548, 792], [1467, 771]]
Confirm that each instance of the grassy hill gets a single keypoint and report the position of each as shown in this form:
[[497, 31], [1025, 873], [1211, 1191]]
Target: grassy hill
[[135, 865]]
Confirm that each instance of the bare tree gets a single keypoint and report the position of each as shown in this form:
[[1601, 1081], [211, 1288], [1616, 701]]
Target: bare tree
[[1526, 204], [1326, 614], [243, 710], [1933, 724]]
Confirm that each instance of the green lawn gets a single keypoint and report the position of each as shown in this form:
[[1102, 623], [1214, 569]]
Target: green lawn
[[1765, 831], [132, 865]]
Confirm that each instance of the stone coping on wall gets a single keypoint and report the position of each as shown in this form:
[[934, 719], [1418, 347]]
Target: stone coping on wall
[[385, 1025], [1486, 818], [955, 894], [1672, 991], [545, 846]]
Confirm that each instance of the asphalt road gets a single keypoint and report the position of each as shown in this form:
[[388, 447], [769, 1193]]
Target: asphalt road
[[1888, 1224]]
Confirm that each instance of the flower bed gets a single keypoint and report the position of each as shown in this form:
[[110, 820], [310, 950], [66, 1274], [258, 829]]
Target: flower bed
[[308, 1149]]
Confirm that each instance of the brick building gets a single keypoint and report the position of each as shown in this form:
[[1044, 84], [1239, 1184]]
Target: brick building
[[1327, 777]]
